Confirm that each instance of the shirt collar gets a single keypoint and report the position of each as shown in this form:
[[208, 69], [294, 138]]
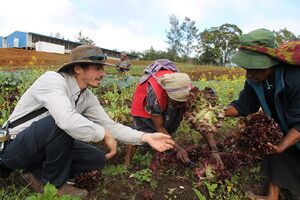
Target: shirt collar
[[72, 83]]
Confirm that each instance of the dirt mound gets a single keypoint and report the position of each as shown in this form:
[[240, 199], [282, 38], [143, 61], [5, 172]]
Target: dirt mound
[[22, 57]]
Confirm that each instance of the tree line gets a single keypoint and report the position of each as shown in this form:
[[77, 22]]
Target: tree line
[[213, 46], [186, 43]]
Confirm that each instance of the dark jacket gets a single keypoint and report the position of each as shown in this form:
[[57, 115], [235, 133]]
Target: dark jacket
[[287, 98]]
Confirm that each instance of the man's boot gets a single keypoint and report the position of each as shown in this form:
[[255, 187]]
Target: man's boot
[[33, 182], [67, 189]]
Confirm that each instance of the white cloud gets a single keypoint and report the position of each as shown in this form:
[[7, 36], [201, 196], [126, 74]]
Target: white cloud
[[37, 16], [270, 14], [61, 16], [123, 38], [194, 9], [138, 24]]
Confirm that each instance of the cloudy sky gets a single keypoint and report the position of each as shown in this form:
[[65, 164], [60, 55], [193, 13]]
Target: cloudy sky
[[139, 24]]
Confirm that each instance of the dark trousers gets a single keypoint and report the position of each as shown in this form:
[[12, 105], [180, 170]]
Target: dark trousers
[[50, 153]]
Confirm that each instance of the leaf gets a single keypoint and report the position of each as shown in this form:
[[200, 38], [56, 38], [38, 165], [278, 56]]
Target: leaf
[[49, 191], [199, 194], [32, 197], [213, 187]]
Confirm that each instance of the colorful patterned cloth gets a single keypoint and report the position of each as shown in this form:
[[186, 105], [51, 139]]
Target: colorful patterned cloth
[[288, 52]]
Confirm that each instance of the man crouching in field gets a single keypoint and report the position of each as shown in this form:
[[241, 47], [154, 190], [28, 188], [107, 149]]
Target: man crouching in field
[[51, 146]]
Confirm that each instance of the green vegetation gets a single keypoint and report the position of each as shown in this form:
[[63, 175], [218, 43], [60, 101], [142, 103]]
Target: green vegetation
[[50, 194], [115, 94]]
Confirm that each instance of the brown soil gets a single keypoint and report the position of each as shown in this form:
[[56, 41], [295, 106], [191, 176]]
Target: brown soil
[[123, 187], [22, 57], [14, 59]]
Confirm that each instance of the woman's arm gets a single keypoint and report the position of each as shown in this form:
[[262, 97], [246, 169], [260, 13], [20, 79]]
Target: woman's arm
[[158, 123], [291, 138], [210, 140]]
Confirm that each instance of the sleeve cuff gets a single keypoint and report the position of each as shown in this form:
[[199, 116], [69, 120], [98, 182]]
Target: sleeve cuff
[[297, 127], [99, 133], [240, 113]]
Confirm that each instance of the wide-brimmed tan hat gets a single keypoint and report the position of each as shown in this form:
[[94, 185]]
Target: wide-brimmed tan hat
[[86, 54]]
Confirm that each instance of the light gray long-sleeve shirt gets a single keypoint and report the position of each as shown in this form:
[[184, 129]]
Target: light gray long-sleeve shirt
[[86, 121]]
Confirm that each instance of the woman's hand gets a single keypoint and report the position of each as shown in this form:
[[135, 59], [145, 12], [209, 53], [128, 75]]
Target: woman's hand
[[275, 148], [217, 158], [182, 155], [291, 138]]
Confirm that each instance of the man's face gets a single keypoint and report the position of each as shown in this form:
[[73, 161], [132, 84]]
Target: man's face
[[90, 76], [257, 76]]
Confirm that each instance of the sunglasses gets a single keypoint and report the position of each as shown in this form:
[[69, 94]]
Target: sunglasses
[[97, 57]]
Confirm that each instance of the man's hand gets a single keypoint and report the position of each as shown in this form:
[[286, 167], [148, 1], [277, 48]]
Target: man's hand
[[182, 155], [159, 141], [111, 144]]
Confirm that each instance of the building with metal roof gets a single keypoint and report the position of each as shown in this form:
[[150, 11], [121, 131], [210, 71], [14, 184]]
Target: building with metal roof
[[1, 41], [39, 42]]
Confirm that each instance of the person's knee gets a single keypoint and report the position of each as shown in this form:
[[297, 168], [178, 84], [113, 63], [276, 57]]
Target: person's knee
[[100, 159]]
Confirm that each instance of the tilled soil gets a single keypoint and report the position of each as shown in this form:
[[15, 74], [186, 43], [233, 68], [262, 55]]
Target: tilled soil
[[22, 57]]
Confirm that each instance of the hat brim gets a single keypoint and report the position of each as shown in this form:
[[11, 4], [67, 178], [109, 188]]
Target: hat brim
[[70, 64], [253, 60]]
